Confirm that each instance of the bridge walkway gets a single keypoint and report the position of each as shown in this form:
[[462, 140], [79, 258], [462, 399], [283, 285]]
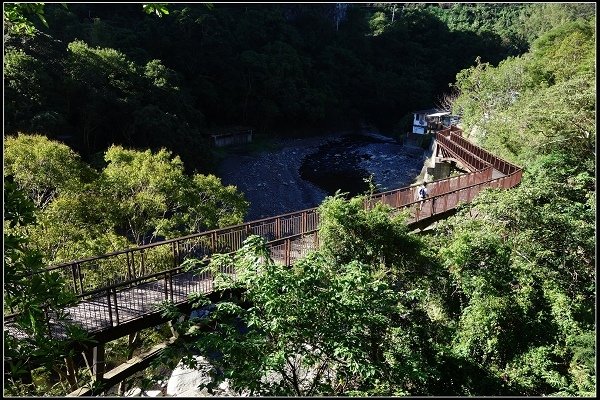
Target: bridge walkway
[[133, 297]]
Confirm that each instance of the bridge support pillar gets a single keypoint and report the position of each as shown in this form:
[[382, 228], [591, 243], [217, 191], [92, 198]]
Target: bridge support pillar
[[133, 343], [439, 170], [99, 364], [172, 324], [71, 374]]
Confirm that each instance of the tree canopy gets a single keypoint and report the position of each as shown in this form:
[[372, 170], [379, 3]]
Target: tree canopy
[[136, 197], [102, 74]]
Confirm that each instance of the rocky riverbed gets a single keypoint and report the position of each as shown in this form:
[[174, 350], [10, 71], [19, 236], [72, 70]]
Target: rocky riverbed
[[301, 172]]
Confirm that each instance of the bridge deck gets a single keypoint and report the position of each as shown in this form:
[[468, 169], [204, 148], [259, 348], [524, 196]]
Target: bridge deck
[[99, 313], [497, 174]]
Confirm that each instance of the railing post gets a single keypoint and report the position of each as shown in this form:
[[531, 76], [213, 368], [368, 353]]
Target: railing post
[[116, 305], [110, 317], [175, 247], [287, 252], [74, 274], [446, 202], [142, 264], [166, 287], [80, 276], [133, 271], [303, 223], [171, 285], [277, 229], [213, 242], [98, 362], [129, 275]]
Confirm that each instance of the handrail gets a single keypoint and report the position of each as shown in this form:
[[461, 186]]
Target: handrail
[[167, 241]]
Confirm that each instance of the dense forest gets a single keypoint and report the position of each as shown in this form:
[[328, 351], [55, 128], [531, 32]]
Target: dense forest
[[107, 112], [103, 74]]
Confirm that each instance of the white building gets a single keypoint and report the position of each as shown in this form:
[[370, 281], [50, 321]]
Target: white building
[[432, 120]]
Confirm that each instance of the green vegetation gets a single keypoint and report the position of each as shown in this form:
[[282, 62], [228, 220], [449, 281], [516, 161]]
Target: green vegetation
[[136, 198], [35, 299], [17, 17], [58, 208], [358, 324], [526, 263], [499, 300]]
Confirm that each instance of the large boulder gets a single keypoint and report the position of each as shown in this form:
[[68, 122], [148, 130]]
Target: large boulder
[[185, 381]]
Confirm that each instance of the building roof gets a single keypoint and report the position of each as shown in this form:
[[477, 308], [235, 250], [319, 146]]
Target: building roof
[[428, 111]]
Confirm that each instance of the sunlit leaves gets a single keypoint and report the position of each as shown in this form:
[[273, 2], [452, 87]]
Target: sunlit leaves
[[526, 262], [42, 167], [157, 198], [17, 17], [159, 9], [330, 324]]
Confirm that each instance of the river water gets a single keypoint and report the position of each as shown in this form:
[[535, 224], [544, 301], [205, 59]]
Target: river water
[[301, 172]]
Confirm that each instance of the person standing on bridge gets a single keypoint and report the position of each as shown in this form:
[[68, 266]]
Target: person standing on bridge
[[423, 194]]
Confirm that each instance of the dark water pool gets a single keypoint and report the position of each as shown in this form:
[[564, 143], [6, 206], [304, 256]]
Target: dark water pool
[[337, 165]]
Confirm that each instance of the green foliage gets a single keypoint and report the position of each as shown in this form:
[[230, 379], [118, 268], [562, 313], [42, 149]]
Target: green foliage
[[378, 23], [146, 186], [17, 17], [526, 265], [565, 52], [156, 198], [479, 260], [500, 302], [526, 262], [165, 82], [535, 20], [79, 224], [535, 371], [41, 167], [159, 9], [545, 98], [331, 324], [349, 232], [487, 330], [211, 204], [500, 19], [137, 197], [26, 79], [37, 298]]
